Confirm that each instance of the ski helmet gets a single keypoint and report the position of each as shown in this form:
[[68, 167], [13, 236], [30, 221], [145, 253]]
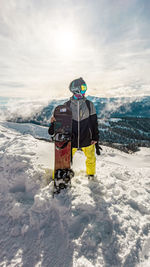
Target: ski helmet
[[78, 86]]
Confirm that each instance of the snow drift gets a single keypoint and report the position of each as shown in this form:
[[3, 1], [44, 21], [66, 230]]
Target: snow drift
[[104, 222]]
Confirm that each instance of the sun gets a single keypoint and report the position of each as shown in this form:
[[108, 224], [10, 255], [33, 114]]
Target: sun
[[66, 42]]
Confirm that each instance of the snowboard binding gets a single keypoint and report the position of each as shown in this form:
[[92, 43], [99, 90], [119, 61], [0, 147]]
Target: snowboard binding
[[60, 137], [62, 179]]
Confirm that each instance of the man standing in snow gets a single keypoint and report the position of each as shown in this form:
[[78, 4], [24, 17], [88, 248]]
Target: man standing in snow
[[84, 124]]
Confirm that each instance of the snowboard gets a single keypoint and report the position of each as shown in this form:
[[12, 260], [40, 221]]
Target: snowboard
[[62, 140]]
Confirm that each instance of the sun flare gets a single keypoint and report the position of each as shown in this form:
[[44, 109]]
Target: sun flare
[[66, 42]]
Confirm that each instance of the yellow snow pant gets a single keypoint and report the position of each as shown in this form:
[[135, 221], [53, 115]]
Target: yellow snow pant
[[89, 152]]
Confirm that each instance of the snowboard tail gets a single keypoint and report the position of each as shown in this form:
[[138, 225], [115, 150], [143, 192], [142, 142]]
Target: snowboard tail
[[62, 179]]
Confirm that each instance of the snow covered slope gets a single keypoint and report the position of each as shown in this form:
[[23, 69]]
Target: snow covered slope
[[105, 222], [123, 122]]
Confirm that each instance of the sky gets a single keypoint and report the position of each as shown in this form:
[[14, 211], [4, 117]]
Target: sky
[[45, 44]]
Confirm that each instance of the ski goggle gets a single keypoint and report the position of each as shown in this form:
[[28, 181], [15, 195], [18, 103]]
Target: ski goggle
[[83, 87]]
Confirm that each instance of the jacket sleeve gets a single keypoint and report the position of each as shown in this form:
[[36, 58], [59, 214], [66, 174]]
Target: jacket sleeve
[[94, 123], [51, 129]]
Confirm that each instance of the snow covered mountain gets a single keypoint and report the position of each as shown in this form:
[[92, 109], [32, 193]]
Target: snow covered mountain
[[105, 222], [123, 122], [105, 107]]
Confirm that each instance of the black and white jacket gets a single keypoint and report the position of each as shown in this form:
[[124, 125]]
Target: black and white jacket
[[84, 122]]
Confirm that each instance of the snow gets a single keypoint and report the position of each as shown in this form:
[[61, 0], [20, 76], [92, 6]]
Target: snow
[[115, 119], [104, 222]]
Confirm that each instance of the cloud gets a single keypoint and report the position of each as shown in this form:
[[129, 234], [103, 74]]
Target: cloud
[[112, 48], [11, 84]]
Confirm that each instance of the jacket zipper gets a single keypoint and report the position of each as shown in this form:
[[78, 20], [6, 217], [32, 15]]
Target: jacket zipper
[[78, 126]]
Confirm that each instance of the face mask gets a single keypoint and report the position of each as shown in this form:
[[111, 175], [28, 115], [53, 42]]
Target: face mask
[[77, 96]]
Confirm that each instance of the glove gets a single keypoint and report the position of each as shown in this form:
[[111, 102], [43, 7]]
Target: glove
[[98, 148]]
